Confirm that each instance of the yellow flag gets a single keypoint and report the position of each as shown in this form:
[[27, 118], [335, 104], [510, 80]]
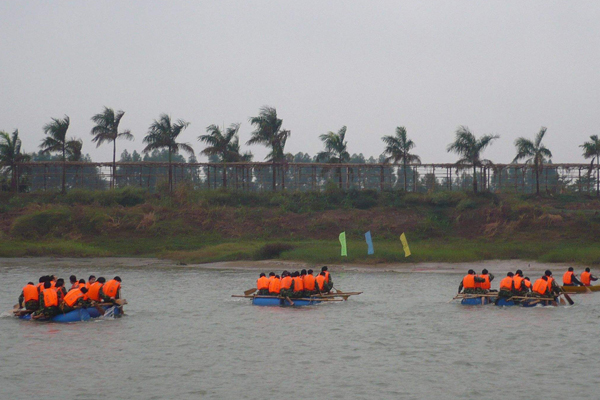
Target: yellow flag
[[405, 245]]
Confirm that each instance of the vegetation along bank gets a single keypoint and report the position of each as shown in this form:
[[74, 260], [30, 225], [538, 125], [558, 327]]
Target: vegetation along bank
[[208, 226]]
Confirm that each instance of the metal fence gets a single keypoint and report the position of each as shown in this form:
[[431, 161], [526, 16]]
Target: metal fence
[[520, 178]]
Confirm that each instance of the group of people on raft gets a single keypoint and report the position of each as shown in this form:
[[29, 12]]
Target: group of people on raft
[[296, 284], [50, 297], [518, 285]]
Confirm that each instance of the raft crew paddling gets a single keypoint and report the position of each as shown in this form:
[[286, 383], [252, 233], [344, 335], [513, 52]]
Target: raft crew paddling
[[296, 284], [516, 285], [49, 297]]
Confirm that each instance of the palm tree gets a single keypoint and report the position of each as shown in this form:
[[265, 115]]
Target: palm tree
[[335, 150], [398, 147], [74, 147], [10, 155], [538, 154], [470, 148], [107, 130], [268, 132], [225, 147], [591, 150], [162, 134], [56, 142]]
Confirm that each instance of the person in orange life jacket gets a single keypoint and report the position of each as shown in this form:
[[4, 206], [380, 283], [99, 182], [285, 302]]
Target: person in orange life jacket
[[518, 279], [48, 302], [43, 279], [587, 277], [569, 278], [30, 297], [328, 280], [74, 282], [468, 283], [310, 285], [507, 286], [321, 282], [60, 289], [111, 290], [271, 277], [275, 286], [552, 284], [541, 287], [298, 291], [527, 284], [262, 284], [487, 285], [287, 284], [95, 288], [75, 299], [90, 281]]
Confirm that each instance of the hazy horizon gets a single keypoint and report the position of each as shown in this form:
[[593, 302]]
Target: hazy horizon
[[498, 67]]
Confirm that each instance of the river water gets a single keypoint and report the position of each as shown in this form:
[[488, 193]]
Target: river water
[[184, 337]]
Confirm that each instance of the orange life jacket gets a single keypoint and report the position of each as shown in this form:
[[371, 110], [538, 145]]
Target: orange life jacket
[[298, 285], [540, 286], [286, 282], [94, 292], [40, 286], [30, 292], [111, 288], [506, 283], [469, 281], [72, 296], [275, 285], [309, 282], [50, 298], [320, 281], [53, 284], [517, 279], [271, 279], [568, 278], [527, 283], [550, 280], [262, 283], [586, 278], [326, 276], [484, 285]]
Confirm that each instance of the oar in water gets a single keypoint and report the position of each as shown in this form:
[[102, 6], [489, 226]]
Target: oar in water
[[290, 300], [249, 291], [571, 302]]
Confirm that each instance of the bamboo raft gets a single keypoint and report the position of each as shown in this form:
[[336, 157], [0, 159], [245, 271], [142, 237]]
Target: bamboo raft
[[492, 298], [279, 301]]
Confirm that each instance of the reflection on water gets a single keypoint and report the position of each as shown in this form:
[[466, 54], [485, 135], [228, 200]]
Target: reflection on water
[[185, 338]]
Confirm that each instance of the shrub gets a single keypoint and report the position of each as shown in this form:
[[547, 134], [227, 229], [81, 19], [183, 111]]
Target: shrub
[[447, 199], [55, 221], [271, 250]]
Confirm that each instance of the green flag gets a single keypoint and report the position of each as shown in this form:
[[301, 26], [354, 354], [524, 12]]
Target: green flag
[[405, 245], [343, 243]]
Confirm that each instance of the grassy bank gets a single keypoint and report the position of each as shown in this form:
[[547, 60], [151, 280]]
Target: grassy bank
[[209, 226]]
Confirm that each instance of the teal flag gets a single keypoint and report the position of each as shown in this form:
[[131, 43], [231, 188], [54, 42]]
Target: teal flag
[[370, 249], [343, 243]]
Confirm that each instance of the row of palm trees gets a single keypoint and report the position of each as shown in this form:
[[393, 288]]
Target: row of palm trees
[[268, 131]]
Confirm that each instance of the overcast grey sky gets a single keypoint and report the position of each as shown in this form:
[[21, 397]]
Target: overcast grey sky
[[501, 67]]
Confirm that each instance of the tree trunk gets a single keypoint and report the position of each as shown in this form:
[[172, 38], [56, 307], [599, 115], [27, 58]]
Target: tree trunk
[[225, 175], [340, 177], [474, 179], [282, 177], [537, 180], [64, 171], [114, 169], [170, 173], [405, 176], [14, 185], [274, 176]]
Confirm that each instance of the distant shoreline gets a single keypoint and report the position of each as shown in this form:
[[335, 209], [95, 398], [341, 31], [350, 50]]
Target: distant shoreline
[[119, 263]]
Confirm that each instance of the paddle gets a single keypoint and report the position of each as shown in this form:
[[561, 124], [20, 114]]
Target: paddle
[[290, 300], [571, 302], [249, 291]]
